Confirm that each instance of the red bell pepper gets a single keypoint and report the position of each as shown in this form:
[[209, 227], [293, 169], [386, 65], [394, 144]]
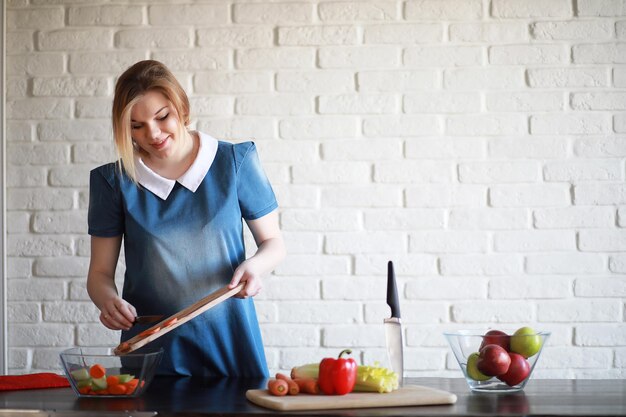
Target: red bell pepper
[[337, 376]]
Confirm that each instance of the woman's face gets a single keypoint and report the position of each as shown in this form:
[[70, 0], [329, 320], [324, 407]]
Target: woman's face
[[154, 125]]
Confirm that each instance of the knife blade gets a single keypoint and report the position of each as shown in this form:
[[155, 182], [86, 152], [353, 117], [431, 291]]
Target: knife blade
[[393, 326], [148, 319]]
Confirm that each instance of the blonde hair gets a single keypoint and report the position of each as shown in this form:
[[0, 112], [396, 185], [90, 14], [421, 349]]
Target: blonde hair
[[144, 76]]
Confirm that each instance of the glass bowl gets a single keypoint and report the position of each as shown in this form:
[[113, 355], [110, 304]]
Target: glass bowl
[[98, 372], [483, 367]]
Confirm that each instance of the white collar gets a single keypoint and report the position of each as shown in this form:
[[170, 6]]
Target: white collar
[[191, 179]]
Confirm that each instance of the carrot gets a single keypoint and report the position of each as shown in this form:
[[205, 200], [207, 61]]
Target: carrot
[[84, 390], [102, 392], [148, 332], [170, 322], [293, 387], [131, 385], [277, 387], [308, 385], [112, 380], [123, 347], [97, 371], [117, 389]]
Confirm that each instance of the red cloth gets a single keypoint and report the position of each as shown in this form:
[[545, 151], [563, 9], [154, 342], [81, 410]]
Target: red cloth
[[32, 381]]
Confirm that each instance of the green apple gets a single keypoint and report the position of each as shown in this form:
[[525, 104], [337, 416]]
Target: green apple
[[472, 369], [526, 342]]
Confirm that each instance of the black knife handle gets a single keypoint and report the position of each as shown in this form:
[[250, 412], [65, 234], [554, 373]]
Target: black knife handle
[[392, 291]]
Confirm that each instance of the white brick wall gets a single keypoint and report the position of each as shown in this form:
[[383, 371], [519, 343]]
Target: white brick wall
[[477, 143]]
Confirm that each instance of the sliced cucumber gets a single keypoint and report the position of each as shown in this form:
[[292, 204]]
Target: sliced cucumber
[[123, 378], [100, 383], [84, 383], [81, 374]]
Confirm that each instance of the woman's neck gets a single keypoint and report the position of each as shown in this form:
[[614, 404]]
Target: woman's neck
[[179, 162]]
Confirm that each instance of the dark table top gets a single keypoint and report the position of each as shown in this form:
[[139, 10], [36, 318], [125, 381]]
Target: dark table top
[[178, 397]]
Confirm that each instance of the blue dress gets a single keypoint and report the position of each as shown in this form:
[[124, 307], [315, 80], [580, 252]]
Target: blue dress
[[182, 247]]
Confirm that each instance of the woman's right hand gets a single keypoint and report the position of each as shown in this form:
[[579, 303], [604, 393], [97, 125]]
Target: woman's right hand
[[117, 314]]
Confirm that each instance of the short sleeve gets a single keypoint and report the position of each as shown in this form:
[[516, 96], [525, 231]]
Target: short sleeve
[[106, 216], [256, 197]]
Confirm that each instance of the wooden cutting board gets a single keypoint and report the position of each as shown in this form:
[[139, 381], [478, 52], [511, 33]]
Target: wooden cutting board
[[405, 396]]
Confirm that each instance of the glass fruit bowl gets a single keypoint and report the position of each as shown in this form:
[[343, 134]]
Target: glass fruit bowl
[[495, 360], [98, 372]]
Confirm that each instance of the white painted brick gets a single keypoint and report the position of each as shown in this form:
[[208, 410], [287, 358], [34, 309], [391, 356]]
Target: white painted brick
[[16, 87], [565, 263], [598, 101], [492, 312], [288, 151], [38, 18], [448, 242], [621, 216], [20, 41], [572, 30], [441, 288], [574, 217], [195, 59], [188, 14], [107, 15], [361, 149], [93, 108], [413, 125], [62, 267], [40, 199], [602, 240], [44, 335], [409, 172], [65, 86], [443, 9], [540, 195], [422, 312], [26, 176], [568, 357], [404, 264], [427, 335], [499, 172], [360, 196], [619, 77], [281, 104], [238, 37], [294, 335], [600, 287], [153, 38], [320, 312], [35, 64], [19, 131], [83, 245], [75, 39], [488, 32], [332, 173], [359, 56], [290, 357], [530, 287], [283, 58], [273, 13], [103, 62], [19, 267], [302, 242], [47, 154], [365, 242], [358, 11], [18, 359], [48, 359], [50, 245], [357, 288], [35, 290], [317, 35], [403, 33], [212, 106], [78, 291], [598, 334], [589, 170], [534, 241], [445, 148], [480, 264], [23, 312], [289, 288], [39, 108], [424, 359], [443, 195], [326, 220], [320, 127], [403, 219], [488, 218], [235, 82], [18, 222], [490, 124], [620, 29], [70, 312], [442, 56], [365, 336], [361, 103], [601, 8], [71, 176], [313, 265], [243, 127], [619, 123], [606, 53], [96, 335], [311, 82], [524, 102], [442, 102], [98, 153], [568, 77], [531, 8], [266, 312], [528, 55], [396, 81], [505, 78], [600, 194]]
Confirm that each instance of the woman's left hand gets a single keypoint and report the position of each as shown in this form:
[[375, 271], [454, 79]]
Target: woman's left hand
[[246, 272]]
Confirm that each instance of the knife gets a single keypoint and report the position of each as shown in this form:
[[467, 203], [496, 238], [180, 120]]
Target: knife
[[148, 319], [393, 325]]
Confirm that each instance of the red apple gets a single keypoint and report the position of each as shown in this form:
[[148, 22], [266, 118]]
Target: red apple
[[518, 370], [496, 337], [493, 360]]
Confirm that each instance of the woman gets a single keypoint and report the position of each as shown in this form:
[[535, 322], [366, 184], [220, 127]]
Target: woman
[[176, 198]]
